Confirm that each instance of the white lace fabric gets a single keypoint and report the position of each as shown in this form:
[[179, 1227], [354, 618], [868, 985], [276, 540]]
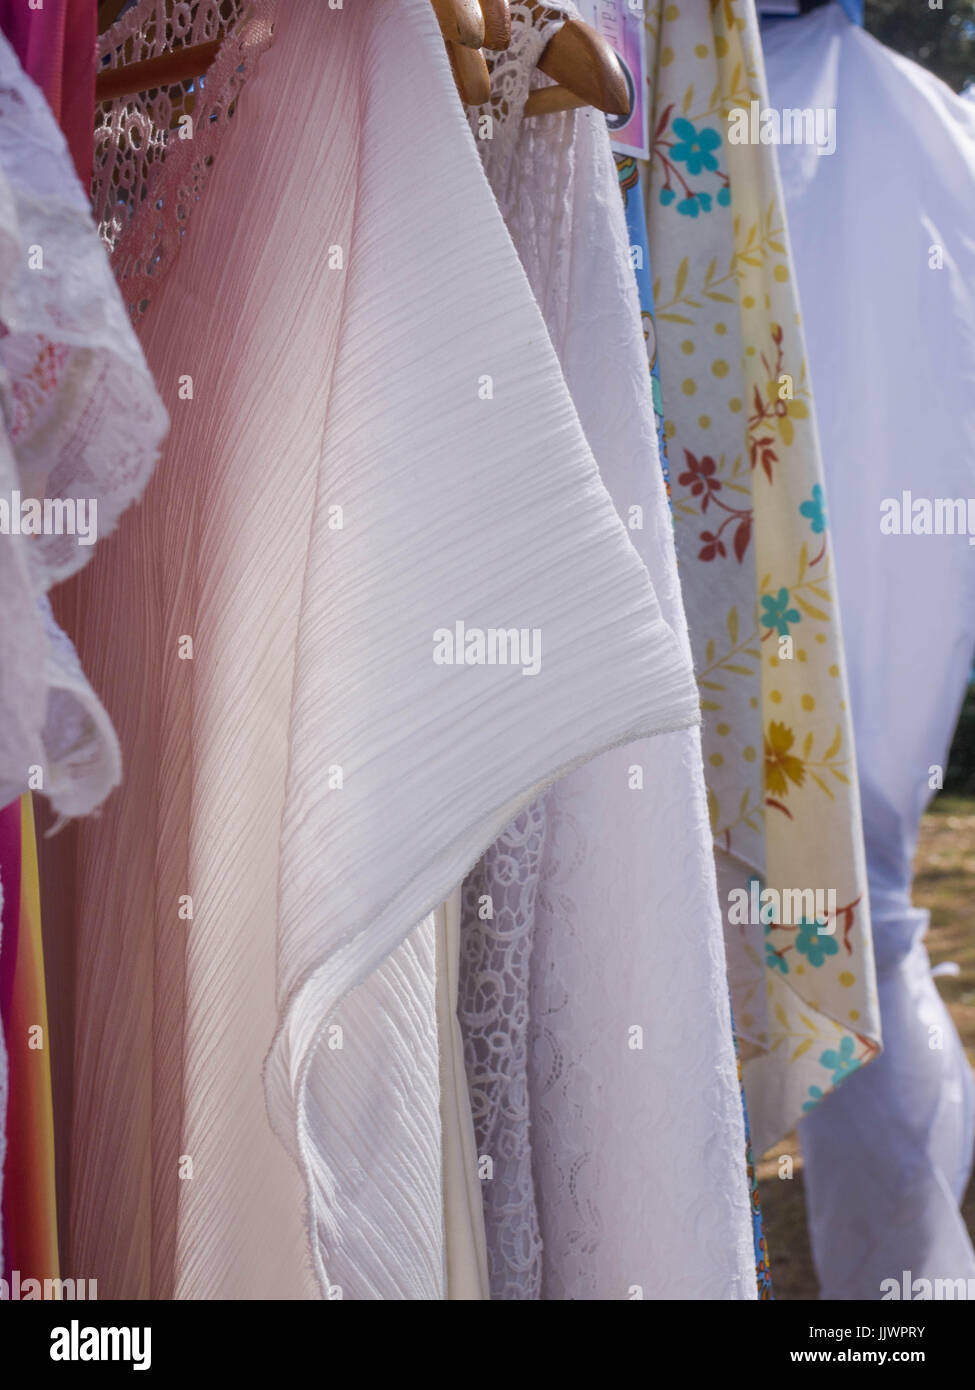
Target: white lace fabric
[[82, 422], [494, 1009]]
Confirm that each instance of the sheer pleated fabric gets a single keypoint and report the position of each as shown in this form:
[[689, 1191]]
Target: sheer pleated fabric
[[379, 445]]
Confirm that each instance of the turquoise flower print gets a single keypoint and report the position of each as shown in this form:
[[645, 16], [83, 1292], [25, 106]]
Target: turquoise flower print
[[773, 960], [815, 510], [816, 948], [693, 147], [841, 1062], [777, 613], [685, 152], [815, 1096]]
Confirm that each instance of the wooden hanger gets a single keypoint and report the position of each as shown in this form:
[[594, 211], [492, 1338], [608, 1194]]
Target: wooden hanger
[[461, 22], [471, 75], [497, 23], [577, 58], [465, 25], [587, 71], [580, 61]]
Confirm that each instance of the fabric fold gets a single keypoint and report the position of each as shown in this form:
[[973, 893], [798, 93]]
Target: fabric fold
[[374, 394], [882, 237], [593, 982]]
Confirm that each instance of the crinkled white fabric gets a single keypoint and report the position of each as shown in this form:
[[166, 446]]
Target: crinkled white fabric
[[594, 1003], [312, 780], [80, 419], [892, 351]]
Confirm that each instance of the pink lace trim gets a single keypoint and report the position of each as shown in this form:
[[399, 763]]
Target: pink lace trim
[[147, 179]]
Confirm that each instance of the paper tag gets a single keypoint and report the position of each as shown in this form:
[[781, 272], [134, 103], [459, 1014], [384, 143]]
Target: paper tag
[[621, 22]]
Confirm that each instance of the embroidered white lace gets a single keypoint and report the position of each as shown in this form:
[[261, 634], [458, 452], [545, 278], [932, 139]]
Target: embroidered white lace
[[82, 423]]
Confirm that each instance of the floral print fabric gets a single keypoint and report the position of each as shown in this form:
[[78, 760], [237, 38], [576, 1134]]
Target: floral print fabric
[[753, 540]]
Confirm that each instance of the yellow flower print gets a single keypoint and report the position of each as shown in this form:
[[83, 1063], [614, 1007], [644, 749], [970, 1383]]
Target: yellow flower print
[[785, 412], [781, 766]]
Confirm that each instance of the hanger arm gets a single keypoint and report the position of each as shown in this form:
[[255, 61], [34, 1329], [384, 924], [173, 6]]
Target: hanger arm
[[497, 23], [470, 74], [461, 21], [585, 65], [164, 71]]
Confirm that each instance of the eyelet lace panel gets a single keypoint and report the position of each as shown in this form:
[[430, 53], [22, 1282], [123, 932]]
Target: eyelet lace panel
[[148, 178]]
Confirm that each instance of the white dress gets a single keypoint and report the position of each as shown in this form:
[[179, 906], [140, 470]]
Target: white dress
[[594, 1002], [892, 353], [380, 445]]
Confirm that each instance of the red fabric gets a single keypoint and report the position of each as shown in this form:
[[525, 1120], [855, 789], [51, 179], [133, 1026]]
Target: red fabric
[[56, 46]]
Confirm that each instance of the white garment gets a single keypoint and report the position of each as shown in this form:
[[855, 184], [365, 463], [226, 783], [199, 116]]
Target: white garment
[[464, 1238], [342, 486], [81, 421], [422, 797], [892, 351], [595, 1003]]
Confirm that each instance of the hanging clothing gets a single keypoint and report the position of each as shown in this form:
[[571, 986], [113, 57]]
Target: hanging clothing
[[631, 186], [314, 791], [598, 988], [882, 237], [464, 1235], [81, 427], [55, 43], [134, 137], [756, 573]]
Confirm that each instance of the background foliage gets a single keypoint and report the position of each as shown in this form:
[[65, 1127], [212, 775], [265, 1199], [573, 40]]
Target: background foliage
[[942, 40]]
